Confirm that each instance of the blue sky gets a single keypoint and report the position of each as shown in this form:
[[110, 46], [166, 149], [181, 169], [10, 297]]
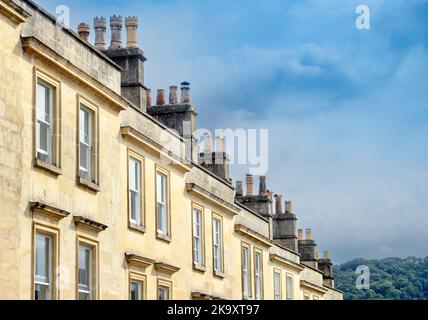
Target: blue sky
[[346, 109]]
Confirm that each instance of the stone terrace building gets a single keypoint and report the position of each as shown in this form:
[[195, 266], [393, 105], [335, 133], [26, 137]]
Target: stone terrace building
[[92, 207]]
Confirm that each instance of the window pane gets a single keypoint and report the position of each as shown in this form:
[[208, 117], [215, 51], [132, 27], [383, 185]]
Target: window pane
[[85, 272], [43, 267], [163, 293], [136, 290], [197, 236], [257, 264], [44, 114], [289, 288], [85, 126], [245, 275], [277, 286]]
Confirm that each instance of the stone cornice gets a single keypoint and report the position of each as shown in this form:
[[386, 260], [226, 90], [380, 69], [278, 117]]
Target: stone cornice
[[212, 198], [89, 224], [154, 148], [165, 268], [48, 211], [35, 46], [255, 236], [313, 286], [286, 262], [10, 10], [138, 261]]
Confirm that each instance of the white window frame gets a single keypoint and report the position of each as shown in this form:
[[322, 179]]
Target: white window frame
[[136, 191], [50, 89], [246, 271], [258, 274], [289, 287], [86, 173], [162, 201], [197, 236], [277, 284], [49, 281], [83, 288], [139, 289], [217, 245]]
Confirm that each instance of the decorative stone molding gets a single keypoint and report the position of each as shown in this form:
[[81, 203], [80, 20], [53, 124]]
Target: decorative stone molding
[[13, 12], [165, 268], [286, 262], [212, 198], [253, 235], [89, 224], [138, 261], [313, 286], [154, 148], [204, 296], [48, 211]]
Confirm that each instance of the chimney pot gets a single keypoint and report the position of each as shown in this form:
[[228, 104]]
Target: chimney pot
[[239, 189], [250, 181], [185, 92], [83, 30], [207, 144], [100, 33], [148, 98], [173, 99], [300, 234], [278, 204], [288, 207], [131, 24], [308, 234], [326, 255], [262, 186], [317, 255], [160, 98], [116, 24], [219, 144]]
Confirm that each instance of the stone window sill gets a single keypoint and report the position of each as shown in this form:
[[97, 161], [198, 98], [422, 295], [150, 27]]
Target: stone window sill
[[163, 237], [199, 267], [218, 274], [88, 185], [51, 168], [137, 227]]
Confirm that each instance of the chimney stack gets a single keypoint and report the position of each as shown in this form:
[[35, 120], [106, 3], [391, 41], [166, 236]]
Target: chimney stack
[[300, 234], [173, 99], [185, 92], [262, 186], [308, 234], [83, 30], [288, 207], [100, 33], [250, 181], [131, 24], [239, 189], [116, 24], [160, 98], [148, 98], [219, 144], [278, 204]]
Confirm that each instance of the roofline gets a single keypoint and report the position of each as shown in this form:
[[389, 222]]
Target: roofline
[[73, 34]]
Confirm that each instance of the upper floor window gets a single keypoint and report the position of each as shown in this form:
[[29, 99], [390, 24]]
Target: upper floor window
[[162, 198], [43, 285], [47, 125], [217, 245], [277, 285], [45, 121], [197, 237], [258, 275], [136, 290], [86, 143], [135, 191], [246, 275], [164, 290]]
